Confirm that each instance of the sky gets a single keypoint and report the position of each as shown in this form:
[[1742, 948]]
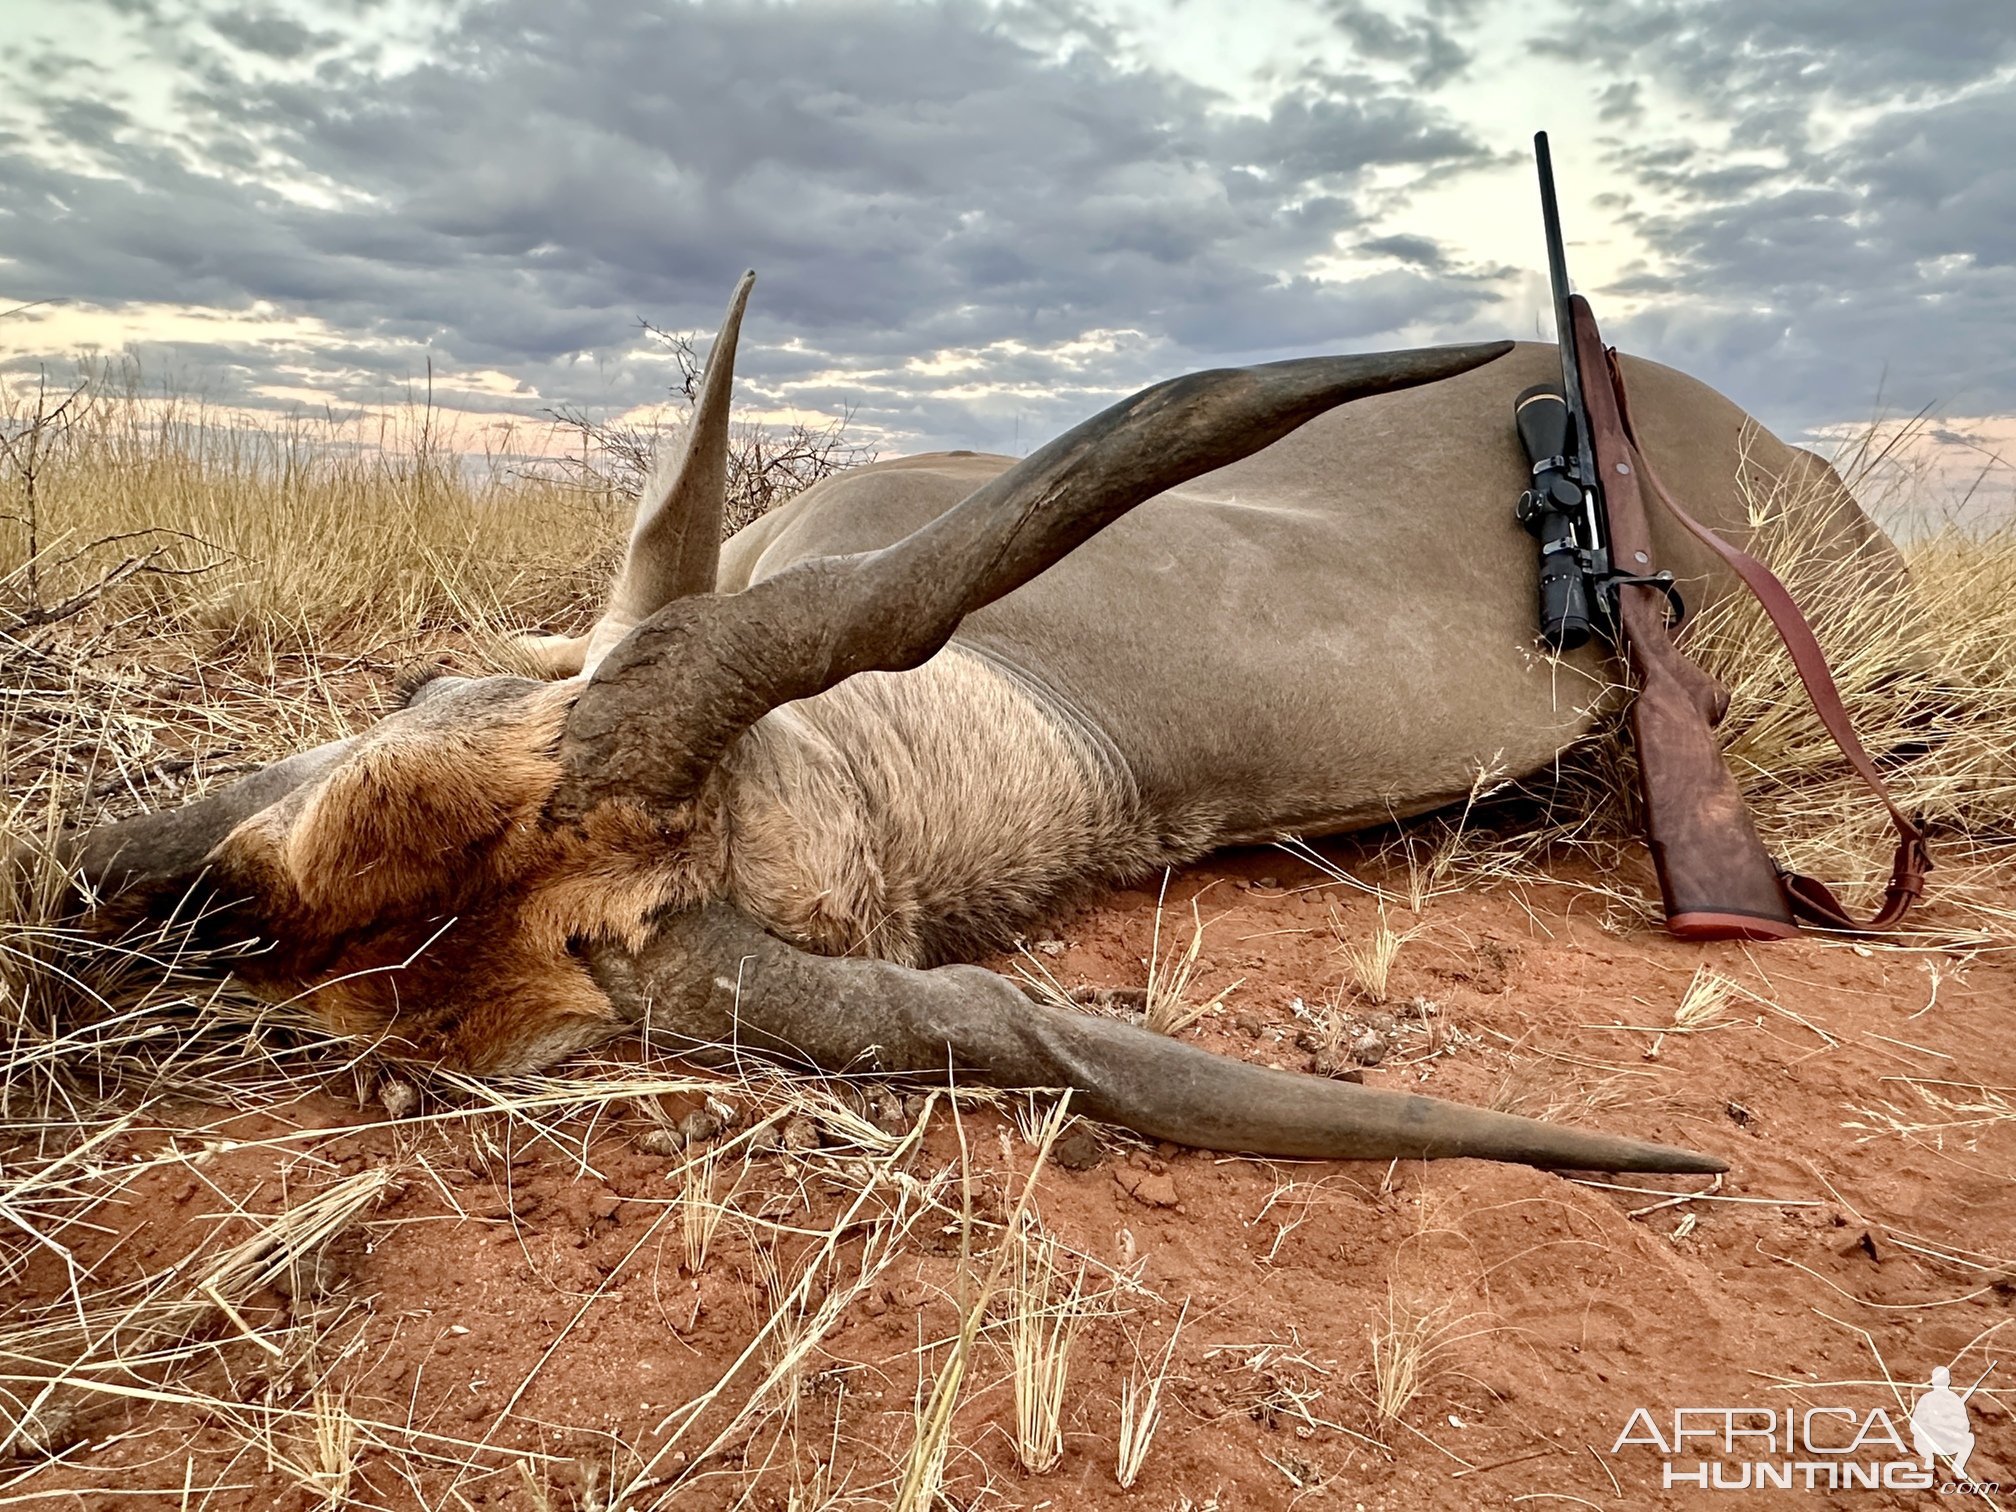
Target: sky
[[974, 224]]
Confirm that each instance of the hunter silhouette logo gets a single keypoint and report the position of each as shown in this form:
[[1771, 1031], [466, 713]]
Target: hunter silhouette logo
[[1939, 1422], [1833, 1446]]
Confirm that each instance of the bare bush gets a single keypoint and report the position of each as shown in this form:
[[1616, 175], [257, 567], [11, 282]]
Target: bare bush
[[766, 465]]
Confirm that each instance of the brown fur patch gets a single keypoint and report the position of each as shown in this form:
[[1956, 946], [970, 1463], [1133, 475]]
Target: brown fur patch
[[422, 896], [397, 824]]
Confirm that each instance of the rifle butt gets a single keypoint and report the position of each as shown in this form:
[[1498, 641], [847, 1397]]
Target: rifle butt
[[1716, 878]]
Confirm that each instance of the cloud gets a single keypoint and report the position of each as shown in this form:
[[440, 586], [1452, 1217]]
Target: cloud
[[1422, 251], [1738, 53], [271, 33], [975, 223], [1427, 50], [1847, 222], [906, 179]]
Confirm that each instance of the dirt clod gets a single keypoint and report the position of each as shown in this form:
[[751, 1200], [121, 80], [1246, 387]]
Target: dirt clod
[[666, 1142], [1078, 1149], [698, 1127], [1149, 1188], [885, 1111]]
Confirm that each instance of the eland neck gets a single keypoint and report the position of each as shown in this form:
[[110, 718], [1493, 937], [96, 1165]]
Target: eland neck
[[923, 816]]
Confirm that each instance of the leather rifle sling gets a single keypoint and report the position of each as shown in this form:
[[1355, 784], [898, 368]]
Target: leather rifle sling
[[1716, 879], [1811, 900]]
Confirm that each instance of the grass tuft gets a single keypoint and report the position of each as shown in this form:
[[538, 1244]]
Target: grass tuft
[[1172, 976], [1141, 1409]]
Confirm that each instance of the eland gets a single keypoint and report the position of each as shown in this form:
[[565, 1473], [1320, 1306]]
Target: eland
[[786, 784]]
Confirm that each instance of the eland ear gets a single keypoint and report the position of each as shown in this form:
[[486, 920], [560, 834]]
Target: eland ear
[[418, 814]]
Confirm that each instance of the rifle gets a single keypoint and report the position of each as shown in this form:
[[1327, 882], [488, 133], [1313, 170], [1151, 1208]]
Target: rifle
[[1587, 510]]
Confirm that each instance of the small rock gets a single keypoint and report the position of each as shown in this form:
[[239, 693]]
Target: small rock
[[799, 1134], [1050, 947], [766, 1139], [1270, 883], [1421, 1008], [699, 1126], [398, 1098], [668, 1142], [885, 1111], [1078, 1149], [1149, 1188], [1251, 1024], [1369, 1049], [51, 1428], [311, 1277], [1382, 1024], [1739, 1115]]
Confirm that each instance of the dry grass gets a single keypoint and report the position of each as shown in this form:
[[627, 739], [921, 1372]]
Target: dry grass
[[320, 1458], [1705, 1000], [1368, 963], [286, 537], [64, 1359], [1046, 1313], [1936, 1113], [1411, 1348], [702, 1209], [921, 1483], [1141, 1409], [1172, 975]]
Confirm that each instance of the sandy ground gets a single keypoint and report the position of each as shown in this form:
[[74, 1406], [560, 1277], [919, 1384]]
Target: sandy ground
[[518, 1323]]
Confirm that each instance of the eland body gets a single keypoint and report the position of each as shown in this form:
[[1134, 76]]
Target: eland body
[[784, 780]]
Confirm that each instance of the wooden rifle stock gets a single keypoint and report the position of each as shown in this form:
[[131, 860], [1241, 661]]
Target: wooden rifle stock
[[1717, 880], [1714, 873]]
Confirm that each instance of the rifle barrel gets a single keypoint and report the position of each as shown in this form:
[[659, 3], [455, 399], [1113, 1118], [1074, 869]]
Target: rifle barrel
[[1557, 274]]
